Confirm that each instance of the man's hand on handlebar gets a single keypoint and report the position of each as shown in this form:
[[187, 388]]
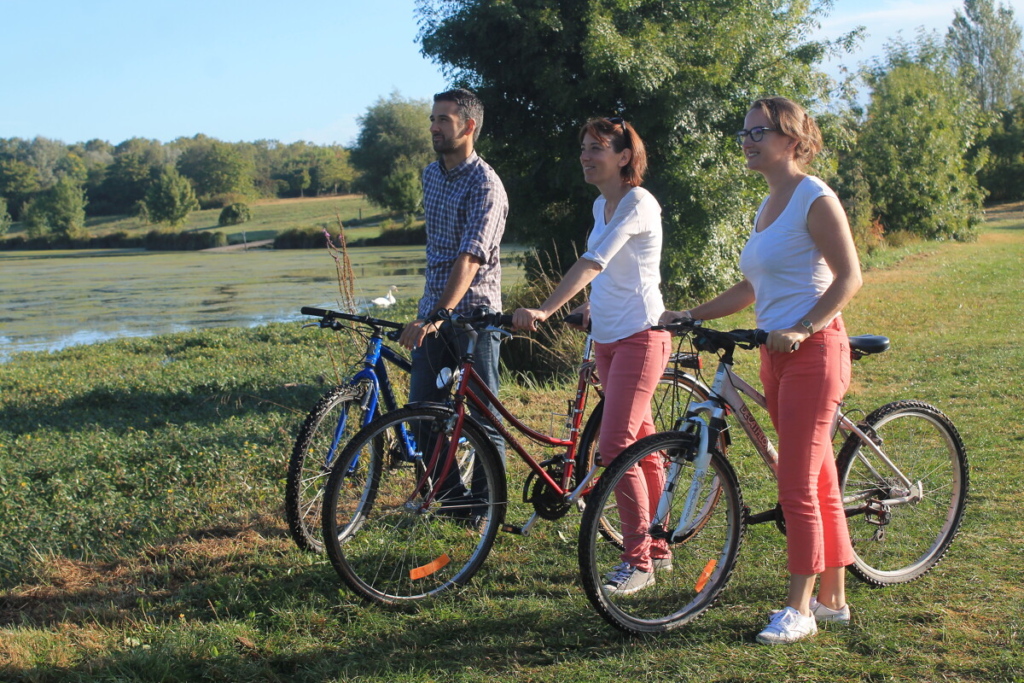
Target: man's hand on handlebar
[[416, 331]]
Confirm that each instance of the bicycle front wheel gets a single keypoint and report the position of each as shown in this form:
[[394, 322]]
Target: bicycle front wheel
[[672, 397], [703, 554], [385, 540], [906, 529], [338, 415]]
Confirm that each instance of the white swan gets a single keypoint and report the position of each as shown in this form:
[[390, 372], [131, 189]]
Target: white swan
[[385, 301]]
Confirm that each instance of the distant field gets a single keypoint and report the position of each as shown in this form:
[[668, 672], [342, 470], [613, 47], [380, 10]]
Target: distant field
[[270, 216]]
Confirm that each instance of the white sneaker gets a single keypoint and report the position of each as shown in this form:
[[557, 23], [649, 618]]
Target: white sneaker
[[787, 626], [628, 580], [661, 564], [825, 614]]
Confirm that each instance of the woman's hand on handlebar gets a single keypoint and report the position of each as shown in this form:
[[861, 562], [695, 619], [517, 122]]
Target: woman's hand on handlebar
[[527, 318], [582, 310], [669, 317]]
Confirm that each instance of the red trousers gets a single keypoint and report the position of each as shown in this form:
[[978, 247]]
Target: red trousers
[[629, 370], [804, 390]]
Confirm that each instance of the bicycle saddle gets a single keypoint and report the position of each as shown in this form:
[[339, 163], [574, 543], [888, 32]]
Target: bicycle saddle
[[866, 344]]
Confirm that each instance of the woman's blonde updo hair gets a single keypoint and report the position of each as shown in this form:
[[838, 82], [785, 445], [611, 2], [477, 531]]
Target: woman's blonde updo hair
[[792, 120]]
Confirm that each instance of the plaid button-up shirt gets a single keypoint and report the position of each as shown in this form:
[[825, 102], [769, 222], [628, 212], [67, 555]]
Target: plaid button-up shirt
[[465, 212]]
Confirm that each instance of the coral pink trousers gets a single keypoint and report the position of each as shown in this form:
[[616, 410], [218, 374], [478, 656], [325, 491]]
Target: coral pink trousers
[[629, 370], [804, 389]]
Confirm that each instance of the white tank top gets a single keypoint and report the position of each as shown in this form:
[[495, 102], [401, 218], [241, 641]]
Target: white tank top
[[787, 271]]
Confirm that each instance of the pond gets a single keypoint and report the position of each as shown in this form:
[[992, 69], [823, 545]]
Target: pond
[[54, 299]]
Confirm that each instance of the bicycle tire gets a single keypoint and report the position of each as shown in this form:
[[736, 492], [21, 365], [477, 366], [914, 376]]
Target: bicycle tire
[[672, 396], [316, 449], [925, 445], [701, 565], [383, 543]]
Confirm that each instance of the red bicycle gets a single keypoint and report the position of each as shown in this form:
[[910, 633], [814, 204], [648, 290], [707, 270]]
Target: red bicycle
[[418, 496]]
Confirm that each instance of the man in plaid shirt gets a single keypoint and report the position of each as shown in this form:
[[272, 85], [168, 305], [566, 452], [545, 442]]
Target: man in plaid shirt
[[465, 206]]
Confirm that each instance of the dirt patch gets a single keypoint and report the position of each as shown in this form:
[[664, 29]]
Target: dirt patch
[[72, 591]]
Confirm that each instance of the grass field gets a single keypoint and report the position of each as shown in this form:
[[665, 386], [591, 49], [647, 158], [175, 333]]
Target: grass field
[[269, 217], [142, 536]]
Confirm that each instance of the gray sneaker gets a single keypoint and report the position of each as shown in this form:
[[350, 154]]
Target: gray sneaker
[[661, 564], [628, 580]]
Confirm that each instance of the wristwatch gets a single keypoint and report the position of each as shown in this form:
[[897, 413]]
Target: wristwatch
[[807, 325]]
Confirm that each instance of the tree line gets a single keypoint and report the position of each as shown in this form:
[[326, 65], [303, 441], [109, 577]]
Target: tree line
[[52, 186]]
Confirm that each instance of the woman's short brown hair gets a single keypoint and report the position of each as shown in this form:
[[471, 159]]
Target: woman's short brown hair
[[618, 133], [792, 120]]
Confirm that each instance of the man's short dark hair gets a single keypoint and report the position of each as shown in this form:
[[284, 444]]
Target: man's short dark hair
[[468, 105]]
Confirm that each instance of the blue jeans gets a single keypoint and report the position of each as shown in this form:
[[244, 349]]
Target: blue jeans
[[444, 350]]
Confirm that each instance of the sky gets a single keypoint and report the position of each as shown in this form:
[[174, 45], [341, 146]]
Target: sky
[[75, 70]]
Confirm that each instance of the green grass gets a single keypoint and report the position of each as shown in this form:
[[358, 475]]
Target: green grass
[[142, 535], [269, 217]]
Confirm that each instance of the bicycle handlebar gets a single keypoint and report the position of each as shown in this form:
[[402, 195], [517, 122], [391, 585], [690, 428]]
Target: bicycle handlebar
[[708, 339], [475, 319], [330, 316]]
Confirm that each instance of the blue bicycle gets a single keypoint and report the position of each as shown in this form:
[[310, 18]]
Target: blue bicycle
[[338, 415]]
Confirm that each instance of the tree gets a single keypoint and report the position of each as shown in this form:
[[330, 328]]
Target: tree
[[59, 211], [215, 167], [170, 199], [329, 170], [914, 146], [1003, 172], [137, 163], [684, 73], [18, 182], [392, 150], [5, 217], [66, 209], [985, 47]]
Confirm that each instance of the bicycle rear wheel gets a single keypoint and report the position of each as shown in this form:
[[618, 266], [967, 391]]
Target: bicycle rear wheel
[[672, 397], [900, 542], [702, 559], [383, 538], [337, 416]]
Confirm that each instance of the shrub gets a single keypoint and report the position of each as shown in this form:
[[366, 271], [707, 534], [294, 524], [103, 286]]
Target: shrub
[[234, 214], [5, 218]]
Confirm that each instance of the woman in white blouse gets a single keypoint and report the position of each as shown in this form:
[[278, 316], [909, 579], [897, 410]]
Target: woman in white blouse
[[800, 268], [622, 266]]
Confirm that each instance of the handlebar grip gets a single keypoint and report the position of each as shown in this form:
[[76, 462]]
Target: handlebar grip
[[573, 319], [319, 312]]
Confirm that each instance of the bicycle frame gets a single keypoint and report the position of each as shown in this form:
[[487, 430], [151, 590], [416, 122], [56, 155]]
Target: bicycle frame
[[707, 420], [375, 373], [480, 396]]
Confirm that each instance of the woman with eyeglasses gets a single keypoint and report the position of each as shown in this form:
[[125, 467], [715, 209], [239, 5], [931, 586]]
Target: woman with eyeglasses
[[800, 269], [622, 266]]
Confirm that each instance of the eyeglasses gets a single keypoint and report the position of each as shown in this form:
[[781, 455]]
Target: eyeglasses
[[756, 133]]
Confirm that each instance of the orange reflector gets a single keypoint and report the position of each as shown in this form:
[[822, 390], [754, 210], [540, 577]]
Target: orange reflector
[[429, 568], [702, 580]]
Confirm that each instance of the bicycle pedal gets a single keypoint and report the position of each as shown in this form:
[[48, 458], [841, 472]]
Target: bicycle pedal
[[877, 513], [512, 529]]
